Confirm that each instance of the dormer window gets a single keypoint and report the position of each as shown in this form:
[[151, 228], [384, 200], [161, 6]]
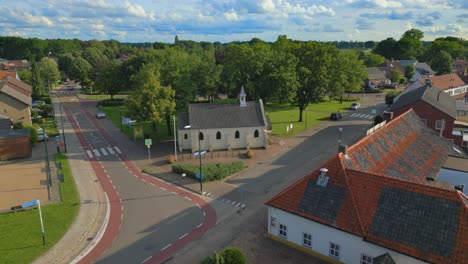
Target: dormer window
[[256, 133], [237, 134]]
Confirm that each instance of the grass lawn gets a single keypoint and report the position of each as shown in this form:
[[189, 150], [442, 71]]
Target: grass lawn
[[101, 96], [20, 233], [159, 134], [283, 115]]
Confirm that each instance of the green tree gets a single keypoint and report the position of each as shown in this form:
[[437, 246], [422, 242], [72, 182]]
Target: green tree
[[386, 48], [25, 76], [37, 82], [109, 80], [150, 101], [49, 71], [232, 255], [395, 76], [373, 60], [348, 74], [442, 63], [413, 34], [80, 70], [409, 71], [65, 62]]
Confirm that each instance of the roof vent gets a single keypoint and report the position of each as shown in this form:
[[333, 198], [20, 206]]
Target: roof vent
[[323, 178]]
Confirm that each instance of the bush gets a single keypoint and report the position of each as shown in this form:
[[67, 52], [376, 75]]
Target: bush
[[210, 171], [32, 134], [46, 110], [250, 154], [232, 255], [18, 125], [170, 159], [46, 99], [390, 96], [108, 102]]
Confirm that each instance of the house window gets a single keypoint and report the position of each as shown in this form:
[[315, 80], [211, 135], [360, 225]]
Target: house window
[[185, 136], [334, 250], [237, 135], [366, 259], [256, 133], [440, 124], [283, 231], [200, 136], [218, 135], [307, 240]]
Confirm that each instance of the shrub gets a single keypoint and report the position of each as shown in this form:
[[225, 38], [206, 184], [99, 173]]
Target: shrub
[[46, 110], [17, 125], [170, 159], [46, 99], [250, 154], [390, 96], [32, 134], [108, 102], [232, 255], [210, 171]]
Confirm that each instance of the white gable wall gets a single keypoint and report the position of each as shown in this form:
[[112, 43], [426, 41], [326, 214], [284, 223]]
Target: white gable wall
[[228, 141], [351, 246]]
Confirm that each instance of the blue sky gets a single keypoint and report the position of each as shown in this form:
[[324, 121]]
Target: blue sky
[[230, 20]]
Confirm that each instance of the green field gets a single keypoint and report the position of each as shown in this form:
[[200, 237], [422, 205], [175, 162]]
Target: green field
[[20, 233]]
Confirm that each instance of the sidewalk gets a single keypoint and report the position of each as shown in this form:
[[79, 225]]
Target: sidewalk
[[93, 201]]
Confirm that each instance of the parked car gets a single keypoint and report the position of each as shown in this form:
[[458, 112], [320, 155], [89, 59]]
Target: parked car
[[36, 104], [355, 106], [41, 135], [336, 116], [391, 85], [100, 114], [70, 88]]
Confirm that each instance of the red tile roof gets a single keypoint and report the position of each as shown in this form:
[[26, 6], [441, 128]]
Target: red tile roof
[[7, 73], [444, 82], [399, 211]]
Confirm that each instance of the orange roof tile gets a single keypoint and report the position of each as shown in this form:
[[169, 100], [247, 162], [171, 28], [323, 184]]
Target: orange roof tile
[[6, 73], [444, 82]]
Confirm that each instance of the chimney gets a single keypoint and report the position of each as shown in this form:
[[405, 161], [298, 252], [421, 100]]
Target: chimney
[[323, 178], [342, 149], [388, 116], [428, 83], [460, 187]]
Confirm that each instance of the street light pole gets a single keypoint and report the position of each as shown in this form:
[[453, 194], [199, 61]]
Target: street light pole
[[339, 137], [47, 156], [175, 139]]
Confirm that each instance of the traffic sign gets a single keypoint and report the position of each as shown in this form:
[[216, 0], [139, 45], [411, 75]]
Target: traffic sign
[[198, 176], [374, 111], [148, 142], [29, 204]]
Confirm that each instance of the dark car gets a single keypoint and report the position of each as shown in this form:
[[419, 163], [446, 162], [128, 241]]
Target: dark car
[[335, 116]]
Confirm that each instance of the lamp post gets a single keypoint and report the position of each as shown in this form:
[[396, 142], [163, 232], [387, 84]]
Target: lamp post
[[175, 139], [199, 156], [47, 156]]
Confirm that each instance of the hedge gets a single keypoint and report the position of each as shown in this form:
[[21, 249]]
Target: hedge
[[108, 102], [211, 171]]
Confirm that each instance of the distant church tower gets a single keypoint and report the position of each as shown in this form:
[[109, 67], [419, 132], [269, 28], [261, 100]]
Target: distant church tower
[[242, 97]]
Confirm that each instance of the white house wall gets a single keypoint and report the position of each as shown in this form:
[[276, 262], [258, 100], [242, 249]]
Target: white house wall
[[351, 246], [210, 142]]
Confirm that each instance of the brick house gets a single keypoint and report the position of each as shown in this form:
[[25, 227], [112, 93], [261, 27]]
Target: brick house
[[377, 201], [451, 84], [436, 108], [15, 100]]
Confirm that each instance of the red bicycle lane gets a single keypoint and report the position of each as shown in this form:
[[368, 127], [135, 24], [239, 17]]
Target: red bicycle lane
[[208, 211], [115, 203]]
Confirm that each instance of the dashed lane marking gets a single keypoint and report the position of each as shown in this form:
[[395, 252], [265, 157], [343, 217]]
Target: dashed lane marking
[[96, 153], [104, 152], [111, 151], [166, 247], [183, 236], [90, 155], [117, 149]]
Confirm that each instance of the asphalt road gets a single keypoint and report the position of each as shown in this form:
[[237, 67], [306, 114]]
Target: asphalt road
[[152, 218]]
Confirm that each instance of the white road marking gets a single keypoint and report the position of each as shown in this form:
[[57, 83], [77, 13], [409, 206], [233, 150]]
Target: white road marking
[[238, 204], [198, 226], [166, 247], [173, 192], [203, 193], [147, 259], [233, 203], [117, 149], [198, 206], [204, 214], [90, 155], [188, 198], [104, 152], [111, 151], [162, 188], [183, 236], [96, 153], [372, 116], [353, 115]]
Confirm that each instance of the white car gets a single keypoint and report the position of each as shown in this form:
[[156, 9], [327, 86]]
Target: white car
[[100, 114], [41, 135], [355, 106], [36, 104]]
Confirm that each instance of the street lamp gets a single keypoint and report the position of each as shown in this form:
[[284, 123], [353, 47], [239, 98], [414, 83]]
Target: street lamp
[[199, 156], [47, 155]]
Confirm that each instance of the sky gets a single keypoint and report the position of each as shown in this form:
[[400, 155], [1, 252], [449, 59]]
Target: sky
[[232, 20]]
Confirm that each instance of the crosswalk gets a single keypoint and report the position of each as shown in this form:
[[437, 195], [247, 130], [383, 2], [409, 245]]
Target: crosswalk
[[362, 116], [98, 152]]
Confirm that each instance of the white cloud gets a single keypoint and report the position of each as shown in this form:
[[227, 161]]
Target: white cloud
[[267, 5], [135, 10], [231, 15], [98, 26], [448, 29]]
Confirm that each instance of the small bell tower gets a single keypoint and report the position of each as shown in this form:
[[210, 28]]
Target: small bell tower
[[242, 96]]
